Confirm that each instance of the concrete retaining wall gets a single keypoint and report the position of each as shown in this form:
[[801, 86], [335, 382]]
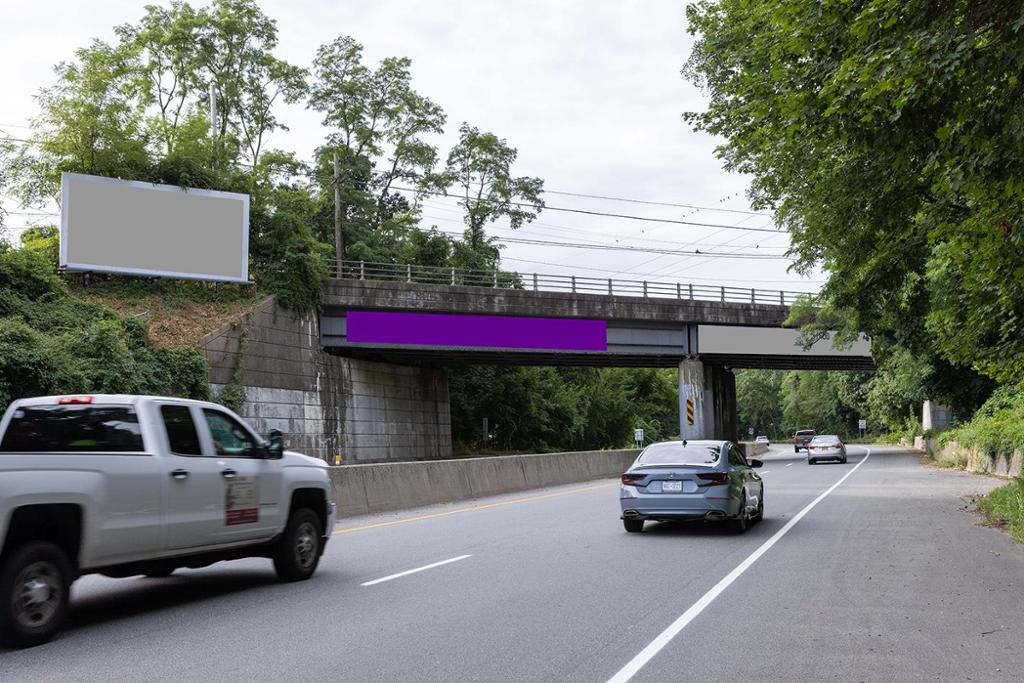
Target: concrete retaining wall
[[365, 489], [327, 405], [976, 461], [752, 449]]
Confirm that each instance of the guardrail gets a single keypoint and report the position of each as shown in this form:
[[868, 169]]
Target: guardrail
[[538, 282]]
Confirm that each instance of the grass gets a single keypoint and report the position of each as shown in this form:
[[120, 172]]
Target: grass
[[1004, 508], [957, 462], [179, 313]]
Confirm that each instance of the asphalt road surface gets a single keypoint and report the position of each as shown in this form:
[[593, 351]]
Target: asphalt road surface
[[885, 578]]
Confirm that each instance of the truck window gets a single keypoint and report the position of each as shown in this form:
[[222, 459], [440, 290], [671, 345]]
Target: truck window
[[181, 430], [73, 429], [229, 437]]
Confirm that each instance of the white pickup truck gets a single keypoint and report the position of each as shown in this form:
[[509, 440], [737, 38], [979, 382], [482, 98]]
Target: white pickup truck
[[128, 485]]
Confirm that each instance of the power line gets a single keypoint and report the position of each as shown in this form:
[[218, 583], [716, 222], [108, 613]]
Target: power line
[[607, 215], [585, 212], [602, 247], [590, 240], [654, 203], [585, 231]]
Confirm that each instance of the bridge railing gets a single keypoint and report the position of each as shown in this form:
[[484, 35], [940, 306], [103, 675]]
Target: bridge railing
[[394, 272]]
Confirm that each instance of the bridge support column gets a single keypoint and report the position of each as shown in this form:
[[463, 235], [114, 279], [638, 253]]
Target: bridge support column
[[691, 395], [712, 391]]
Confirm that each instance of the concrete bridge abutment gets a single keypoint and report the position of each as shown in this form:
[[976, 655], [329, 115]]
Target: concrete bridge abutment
[[327, 406], [711, 391]]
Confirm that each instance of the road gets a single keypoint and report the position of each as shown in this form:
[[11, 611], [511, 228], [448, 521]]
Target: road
[[884, 579]]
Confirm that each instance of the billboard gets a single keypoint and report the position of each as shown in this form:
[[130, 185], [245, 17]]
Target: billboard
[[475, 331], [135, 228], [767, 341]]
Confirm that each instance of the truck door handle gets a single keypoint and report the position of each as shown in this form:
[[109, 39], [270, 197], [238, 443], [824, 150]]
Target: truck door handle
[[228, 474], [179, 474]]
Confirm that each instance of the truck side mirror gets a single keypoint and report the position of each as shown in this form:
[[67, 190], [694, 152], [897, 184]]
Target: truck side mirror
[[275, 450]]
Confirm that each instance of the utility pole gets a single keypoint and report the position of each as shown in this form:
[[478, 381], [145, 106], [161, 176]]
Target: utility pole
[[213, 116], [339, 240], [213, 110]]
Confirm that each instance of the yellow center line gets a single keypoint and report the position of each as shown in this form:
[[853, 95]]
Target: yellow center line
[[473, 508]]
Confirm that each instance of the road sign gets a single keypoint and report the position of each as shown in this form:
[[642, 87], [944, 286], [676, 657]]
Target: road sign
[[750, 430], [862, 424], [638, 435], [689, 411]]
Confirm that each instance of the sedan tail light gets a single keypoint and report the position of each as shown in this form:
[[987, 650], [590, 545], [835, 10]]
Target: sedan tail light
[[630, 479], [713, 479]]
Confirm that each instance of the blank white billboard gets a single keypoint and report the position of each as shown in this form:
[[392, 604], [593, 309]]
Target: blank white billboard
[[768, 341], [135, 228]]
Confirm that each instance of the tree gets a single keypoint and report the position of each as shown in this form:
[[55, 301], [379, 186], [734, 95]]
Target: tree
[[885, 134], [480, 166], [379, 123], [235, 41], [759, 400]]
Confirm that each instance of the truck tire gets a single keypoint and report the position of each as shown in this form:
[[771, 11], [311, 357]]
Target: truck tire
[[298, 550], [35, 587]]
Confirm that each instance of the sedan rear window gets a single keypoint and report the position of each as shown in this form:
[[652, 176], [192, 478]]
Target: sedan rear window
[[805, 432], [73, 429], [677, 454], [826, 440]]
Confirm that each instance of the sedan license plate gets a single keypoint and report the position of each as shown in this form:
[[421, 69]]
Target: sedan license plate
[[671, 486]]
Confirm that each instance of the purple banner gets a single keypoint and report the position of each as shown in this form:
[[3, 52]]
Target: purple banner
[[494, 331]]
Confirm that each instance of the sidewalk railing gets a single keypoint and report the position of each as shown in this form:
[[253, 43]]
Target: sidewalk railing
[[538, 282]]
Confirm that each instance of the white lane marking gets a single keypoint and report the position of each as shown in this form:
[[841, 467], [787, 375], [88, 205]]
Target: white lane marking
[[413, 571], [765, 471], [627, 672], [789, 465]]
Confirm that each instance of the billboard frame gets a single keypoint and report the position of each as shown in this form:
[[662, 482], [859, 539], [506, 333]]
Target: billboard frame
[[65, 265]]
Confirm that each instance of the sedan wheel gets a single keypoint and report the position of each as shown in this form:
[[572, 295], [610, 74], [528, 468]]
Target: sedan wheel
[[740, 524], [633, 526]]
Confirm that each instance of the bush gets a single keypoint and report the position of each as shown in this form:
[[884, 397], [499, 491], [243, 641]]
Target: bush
[[1005, 506], [997, 429], [51, 343]]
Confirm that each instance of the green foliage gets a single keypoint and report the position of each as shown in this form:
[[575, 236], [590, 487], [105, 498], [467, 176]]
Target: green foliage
[[759, 402], [379, 122], [997, 429], [543, 409], [1005, 506], [51, 343], [232, 395], [137, 109], [480, 166], [886, 136]]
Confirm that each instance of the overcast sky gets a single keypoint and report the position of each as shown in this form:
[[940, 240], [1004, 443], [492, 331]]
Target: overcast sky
[[588, 91]]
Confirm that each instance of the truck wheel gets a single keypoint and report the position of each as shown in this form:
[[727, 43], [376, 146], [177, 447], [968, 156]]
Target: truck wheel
[[298, 550], [35, 587]]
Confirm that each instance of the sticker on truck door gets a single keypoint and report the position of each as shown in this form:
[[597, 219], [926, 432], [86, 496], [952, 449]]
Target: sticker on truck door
[[241, 501]]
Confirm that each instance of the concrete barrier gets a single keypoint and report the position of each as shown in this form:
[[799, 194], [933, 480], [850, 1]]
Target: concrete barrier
[[366, 489], [753, 449]]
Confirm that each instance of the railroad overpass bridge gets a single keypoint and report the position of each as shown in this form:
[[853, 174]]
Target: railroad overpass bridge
[[438, 316], [364, 379]]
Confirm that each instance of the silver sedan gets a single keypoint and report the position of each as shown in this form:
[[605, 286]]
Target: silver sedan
[[826, 447]]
